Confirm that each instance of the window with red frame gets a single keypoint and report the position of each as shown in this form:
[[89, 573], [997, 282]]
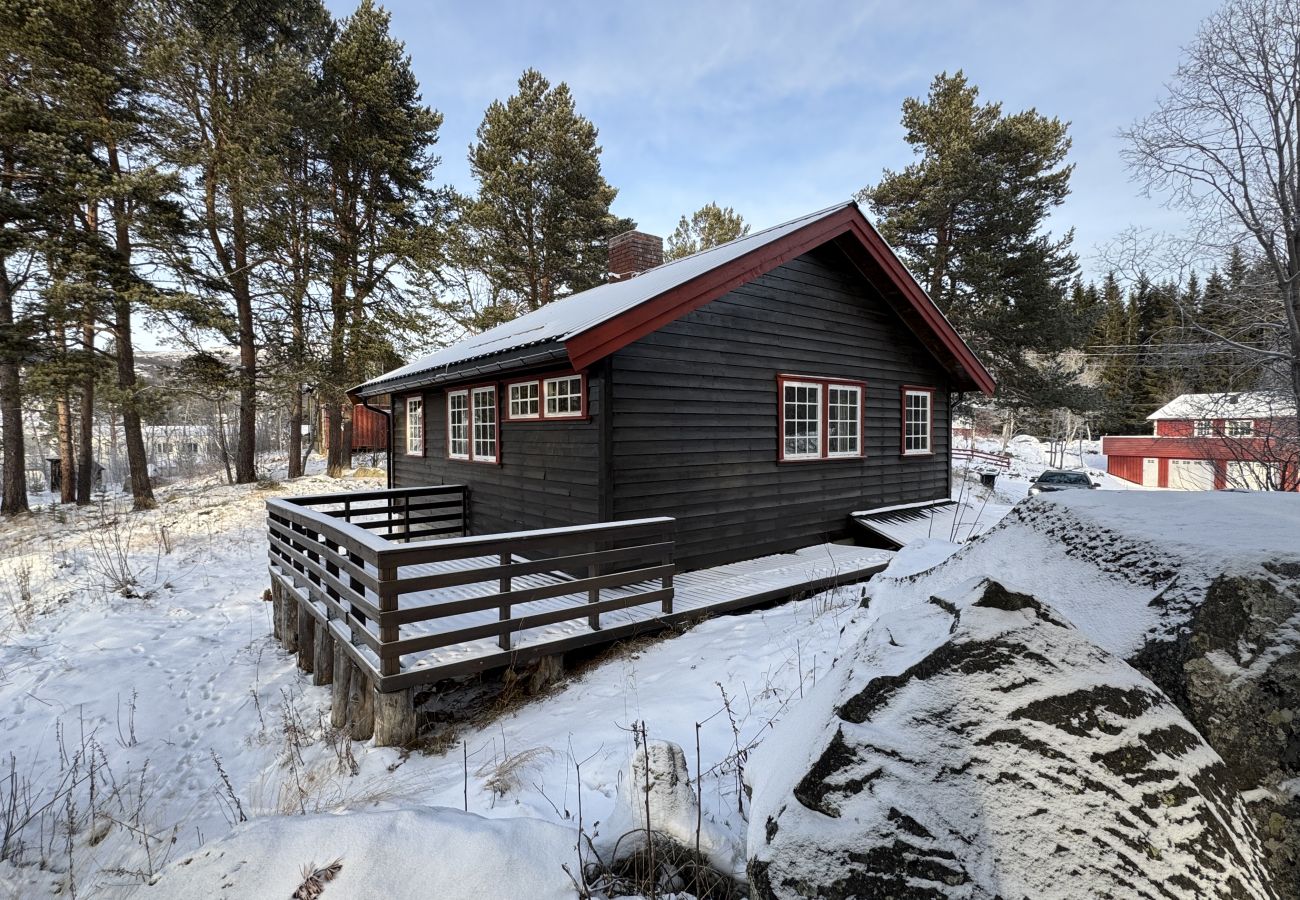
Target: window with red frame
[[918, 421], [546, 398], [821, 418]]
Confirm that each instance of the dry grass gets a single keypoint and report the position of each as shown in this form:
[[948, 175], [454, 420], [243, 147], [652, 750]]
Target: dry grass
[[664, 868], [505, 774]]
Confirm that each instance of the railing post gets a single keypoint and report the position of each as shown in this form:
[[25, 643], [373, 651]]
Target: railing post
[[667, 582], [332, 567], [593, 594], [388, 634], [406, 518], [503, 639], [359, 588]]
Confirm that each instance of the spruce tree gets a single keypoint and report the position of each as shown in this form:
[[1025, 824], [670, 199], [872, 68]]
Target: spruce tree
[[969, 217], [542, 216], [708, 226]]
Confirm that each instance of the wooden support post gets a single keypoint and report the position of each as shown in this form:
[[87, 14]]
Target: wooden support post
[[503, 613], [289, 630], [394, 718], [277, 602], [306, 640], [361, 705], [322, 667], [342, 677], [667, 583], [406, 518]]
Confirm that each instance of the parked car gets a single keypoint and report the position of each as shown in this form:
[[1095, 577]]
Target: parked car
[[1061, 480]]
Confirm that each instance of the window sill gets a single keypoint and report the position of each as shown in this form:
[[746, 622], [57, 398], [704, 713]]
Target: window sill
[[820, 459], [916, 454], [476, 462]]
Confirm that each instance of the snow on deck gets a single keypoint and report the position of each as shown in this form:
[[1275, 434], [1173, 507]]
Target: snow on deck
[[955, 521], [698, 593]]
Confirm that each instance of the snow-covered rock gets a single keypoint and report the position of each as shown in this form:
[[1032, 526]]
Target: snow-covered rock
[[674, 811], [1198, 591], [981, 746], [427, 852]]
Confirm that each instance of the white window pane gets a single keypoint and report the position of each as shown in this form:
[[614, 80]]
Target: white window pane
[[485, 424], [801, 416]]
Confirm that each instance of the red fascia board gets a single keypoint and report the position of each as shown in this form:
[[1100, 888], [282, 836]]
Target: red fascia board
[[646, 318]]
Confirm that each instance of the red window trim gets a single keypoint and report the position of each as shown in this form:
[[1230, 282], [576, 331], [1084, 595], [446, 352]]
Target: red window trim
[[468, 391], [424, 425], [541, 380], [823, 452], [903, 391]]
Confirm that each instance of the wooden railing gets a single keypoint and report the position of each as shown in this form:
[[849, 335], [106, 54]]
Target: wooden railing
[[363, 568], [1000, 460]]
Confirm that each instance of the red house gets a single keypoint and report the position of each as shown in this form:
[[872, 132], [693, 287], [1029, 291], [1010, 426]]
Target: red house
[[1202, 442]]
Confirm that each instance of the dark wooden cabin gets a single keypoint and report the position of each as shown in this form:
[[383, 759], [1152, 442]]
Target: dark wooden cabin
[[757, 392]]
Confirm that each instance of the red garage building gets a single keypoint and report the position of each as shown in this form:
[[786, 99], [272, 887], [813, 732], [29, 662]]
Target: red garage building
[[1207, 442]]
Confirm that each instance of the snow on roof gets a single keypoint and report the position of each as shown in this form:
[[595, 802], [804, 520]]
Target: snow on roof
[[1240, 405], [580, 312]]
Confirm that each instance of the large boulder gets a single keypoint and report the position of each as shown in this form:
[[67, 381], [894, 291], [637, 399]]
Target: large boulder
[[1198, 591], [981, 746]]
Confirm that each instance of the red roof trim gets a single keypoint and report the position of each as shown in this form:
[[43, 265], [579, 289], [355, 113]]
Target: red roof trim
[[646, 318]]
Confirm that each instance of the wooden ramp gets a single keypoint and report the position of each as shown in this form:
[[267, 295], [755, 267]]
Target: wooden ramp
[[698, 594]]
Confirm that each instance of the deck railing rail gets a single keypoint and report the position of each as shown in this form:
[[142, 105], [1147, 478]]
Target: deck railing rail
[[345, 566], [1000, 460]]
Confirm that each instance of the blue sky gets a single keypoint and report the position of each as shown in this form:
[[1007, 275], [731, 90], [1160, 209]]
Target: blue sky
[[778, 109]]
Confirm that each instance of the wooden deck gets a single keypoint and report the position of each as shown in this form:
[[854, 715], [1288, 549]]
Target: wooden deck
[[380, 592], [697, 594]]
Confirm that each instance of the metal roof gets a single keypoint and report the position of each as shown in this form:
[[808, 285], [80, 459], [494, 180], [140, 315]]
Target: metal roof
[[591, 324], [562, 319]]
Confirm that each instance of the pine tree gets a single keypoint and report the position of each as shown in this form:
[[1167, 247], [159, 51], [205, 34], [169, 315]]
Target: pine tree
[[380, 209], [228, 71], [541, 218], [708, 226], [969, 217]]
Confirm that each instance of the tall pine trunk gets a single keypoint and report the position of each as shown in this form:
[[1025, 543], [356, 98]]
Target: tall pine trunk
[[295, 430], [86, 445], [14, 494], [246, 452], [67, 455], [137, 460], [337, 459]]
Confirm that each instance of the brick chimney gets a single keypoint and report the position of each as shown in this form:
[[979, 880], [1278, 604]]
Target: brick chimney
[[632, 252]]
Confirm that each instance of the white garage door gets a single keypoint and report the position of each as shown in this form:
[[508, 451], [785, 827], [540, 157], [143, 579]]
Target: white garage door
[[1250, 476], [1150, 472], [1191, 474]]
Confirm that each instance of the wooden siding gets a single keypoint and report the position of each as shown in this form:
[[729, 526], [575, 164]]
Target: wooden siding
[[696, 419], [549, 474]]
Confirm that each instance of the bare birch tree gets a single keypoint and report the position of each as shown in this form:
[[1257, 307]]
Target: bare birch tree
[[1222, 146]]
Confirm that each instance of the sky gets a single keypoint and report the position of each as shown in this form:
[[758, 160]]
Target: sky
[[778, 109]]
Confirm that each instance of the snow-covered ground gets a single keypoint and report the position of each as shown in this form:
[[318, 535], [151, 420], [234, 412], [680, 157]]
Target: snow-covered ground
[[143, 701], [146, 711], [1029, 458]]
